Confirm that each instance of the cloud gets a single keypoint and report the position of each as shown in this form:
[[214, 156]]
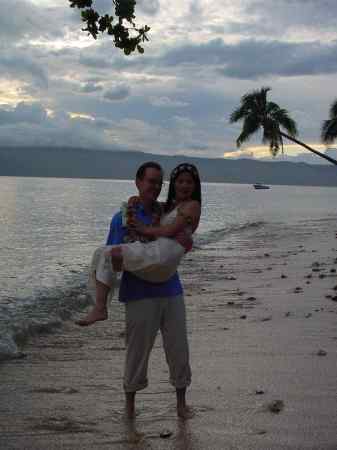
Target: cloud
[[292, 14], [25, 20], [117, 93], [166, 102], [23, 112], [149, 7], [95, 61], [91, 87], [252, 59], [202, 57], [23, 67]]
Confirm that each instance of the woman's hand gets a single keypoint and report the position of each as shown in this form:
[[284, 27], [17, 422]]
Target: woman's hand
[[185, 240]]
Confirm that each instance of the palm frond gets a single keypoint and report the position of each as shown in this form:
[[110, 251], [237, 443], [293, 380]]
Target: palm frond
[[333, 110], [282, 116], [272, 136], [250, 125], [238, 114], [287, 122], [329, 131]]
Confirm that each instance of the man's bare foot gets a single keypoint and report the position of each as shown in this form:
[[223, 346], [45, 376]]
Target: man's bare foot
[[184, 412], [95, 315]]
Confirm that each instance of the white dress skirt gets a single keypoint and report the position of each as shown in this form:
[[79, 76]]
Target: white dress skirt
[[155, 261]]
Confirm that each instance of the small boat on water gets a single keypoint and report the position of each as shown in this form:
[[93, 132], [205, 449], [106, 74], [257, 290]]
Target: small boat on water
[[261, 186]]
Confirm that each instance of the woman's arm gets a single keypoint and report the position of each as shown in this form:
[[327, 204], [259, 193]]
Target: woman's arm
[[188, 215]]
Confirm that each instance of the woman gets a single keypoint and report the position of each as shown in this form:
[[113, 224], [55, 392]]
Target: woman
[[154, 261]]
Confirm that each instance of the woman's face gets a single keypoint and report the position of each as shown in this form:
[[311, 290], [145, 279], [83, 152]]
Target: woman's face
[[184, 186]]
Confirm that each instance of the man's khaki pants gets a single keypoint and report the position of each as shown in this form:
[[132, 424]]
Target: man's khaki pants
[[143, 320]]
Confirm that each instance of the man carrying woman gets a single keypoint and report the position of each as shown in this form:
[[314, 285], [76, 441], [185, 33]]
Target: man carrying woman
[[153, 302]]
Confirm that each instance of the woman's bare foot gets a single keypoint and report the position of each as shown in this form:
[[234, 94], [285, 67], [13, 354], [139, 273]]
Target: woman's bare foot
[[95, 315], [184, 412]]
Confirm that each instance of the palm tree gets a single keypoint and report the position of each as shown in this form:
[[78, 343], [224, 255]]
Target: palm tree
[[329, 127], [257, 112]]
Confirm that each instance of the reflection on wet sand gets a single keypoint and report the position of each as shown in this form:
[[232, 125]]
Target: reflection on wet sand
[[179, 437]]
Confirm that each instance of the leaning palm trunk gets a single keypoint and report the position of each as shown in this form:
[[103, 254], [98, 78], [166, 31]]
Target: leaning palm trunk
[[322, 155]]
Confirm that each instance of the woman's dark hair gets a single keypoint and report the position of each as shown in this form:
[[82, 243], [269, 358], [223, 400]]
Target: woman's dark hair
[[183, 168]]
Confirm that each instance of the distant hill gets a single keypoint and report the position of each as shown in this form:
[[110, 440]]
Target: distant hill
[[81, 163]]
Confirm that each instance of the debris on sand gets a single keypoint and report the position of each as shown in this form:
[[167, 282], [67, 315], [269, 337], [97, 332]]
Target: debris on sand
[[265, 319], [276, 406], [165, 434]]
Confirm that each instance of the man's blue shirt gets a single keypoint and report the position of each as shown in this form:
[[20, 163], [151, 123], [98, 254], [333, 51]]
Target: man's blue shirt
[[132, 287]]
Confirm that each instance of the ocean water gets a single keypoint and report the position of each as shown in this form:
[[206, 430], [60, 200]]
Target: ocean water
[[49, 228]]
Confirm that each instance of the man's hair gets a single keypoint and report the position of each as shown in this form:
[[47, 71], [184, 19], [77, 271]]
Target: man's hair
[[148, 165]]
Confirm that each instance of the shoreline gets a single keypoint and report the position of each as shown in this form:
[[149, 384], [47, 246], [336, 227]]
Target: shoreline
[[254, 339]]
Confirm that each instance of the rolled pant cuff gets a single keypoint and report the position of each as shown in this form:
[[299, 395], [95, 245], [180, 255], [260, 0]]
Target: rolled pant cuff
[[180, 385], [135, 388]]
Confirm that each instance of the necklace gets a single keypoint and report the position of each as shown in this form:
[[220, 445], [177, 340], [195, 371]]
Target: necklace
[[129, 216]]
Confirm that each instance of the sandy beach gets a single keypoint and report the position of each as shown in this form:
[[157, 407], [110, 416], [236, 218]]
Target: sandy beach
[[263, 340]]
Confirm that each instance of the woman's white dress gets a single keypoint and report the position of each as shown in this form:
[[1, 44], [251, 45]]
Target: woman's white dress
[[154, 261]]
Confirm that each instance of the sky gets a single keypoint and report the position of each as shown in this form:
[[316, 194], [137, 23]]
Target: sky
[[60, 87]]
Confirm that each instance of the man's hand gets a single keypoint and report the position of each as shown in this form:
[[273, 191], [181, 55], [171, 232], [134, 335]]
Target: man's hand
[[185, 240], [133, 201]]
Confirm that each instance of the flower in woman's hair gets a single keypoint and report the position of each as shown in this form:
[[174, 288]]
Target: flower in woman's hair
[[184, 168]]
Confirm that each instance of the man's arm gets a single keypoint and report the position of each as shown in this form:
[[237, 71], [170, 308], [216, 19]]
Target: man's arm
[[116, 232]]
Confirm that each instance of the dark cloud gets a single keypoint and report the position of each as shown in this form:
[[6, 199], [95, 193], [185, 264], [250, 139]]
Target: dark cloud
[[25, 20], [22, 66], [95, 61], [23, 112], [117, 93], [282, 15], [251, 59]]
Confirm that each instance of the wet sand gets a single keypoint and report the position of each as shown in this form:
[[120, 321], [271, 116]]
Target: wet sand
[[254, 339]]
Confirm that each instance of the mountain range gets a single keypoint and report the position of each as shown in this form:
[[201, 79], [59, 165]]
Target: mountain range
[[86, 163]]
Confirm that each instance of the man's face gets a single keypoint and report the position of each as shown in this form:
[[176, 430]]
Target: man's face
[[149, 186]]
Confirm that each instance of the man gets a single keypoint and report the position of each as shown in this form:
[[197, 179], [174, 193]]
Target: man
[[152, 306]]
